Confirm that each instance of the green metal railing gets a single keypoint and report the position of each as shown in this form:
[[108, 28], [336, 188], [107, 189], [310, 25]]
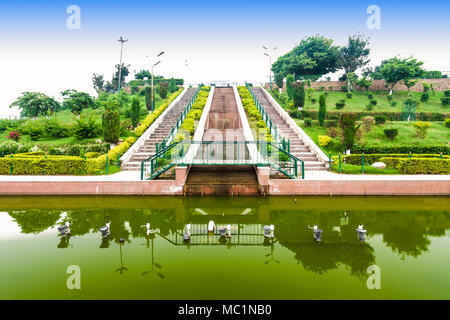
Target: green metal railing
[[167, 140], [259, 153], [281, 141]]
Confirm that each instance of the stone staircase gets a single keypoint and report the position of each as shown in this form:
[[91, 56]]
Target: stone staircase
[[148, 147], [298, 147]]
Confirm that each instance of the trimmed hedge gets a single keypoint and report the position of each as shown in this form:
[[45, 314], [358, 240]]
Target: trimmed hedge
[[391, 116], [356, 159], [436, 149], [148, 121], [424, 166]]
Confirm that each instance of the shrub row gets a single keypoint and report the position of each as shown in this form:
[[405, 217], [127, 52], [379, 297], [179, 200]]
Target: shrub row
[[391, 116], [356, 159], [147, 122], [194, 114], [429, 149]]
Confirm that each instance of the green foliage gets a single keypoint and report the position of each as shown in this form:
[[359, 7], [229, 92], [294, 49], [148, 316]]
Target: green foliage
[[289, 81], [55, 129], [349, 128], [340, 104], [365, 83], [76, 101], [163, 89], [349, 95], [148, 101], [425, 97], [172, 86], [111, 125], [298, 95], [445, 101], [424, 166], [355, 55], [389, 98], [135, 113], [11, 147], [391, 133], [380, 119], [34, 104], [308, 122], [397, 69], [86, 127], [322, 109], [373, 102], [447, 122], [421, 128], [415, 149]]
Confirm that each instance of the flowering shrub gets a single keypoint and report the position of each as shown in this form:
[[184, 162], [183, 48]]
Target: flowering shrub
[[324, 140], [14, 135]]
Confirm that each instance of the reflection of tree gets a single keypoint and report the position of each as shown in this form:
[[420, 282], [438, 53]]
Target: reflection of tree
[[35, 221]]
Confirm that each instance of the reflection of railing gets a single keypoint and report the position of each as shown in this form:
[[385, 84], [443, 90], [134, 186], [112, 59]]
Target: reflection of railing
[[243, 235], [259, 153], [281, 141], [176, 126]]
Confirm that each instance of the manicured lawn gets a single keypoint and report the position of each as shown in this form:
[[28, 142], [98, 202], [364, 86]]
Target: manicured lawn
[[438, 134], [368, 169], [359, 101]]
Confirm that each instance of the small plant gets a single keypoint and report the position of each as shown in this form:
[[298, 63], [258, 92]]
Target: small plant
[[389, 98], [368, 123], [393, 103], [369, 107], [380, 119], [370, 96], [349, 95], [424, 97], [373, 102], [324, 140], [14, 135], [447, 93], [313, 101], [344, 88], [340, 104], [421, 128], [308, 122], [322, 88], [447, 122], [391, 133], [445, 101]]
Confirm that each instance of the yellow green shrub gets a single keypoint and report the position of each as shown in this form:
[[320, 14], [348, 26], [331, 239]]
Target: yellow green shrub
[[324, 140]]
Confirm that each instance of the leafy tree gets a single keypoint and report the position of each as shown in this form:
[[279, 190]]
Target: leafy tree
[[354, 56], [322, 109], [76, 101], [279, 80], [34, 104], [313, 57], [109, 87], [298, 94], [123, 75], [135, 112], [289, 81], [163, 89], [396, 69], [148, 102], [365, 83], [349, 128], [142, 74], [111, 122], [98, 82], [351, 79], [172, 85]]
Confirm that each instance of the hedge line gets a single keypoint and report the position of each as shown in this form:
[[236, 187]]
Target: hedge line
[[399, 149], [392, 116], [418, 164], [356, 159]]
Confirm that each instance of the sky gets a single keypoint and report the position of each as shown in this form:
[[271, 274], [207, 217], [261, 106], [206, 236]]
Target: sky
[[221, 41]]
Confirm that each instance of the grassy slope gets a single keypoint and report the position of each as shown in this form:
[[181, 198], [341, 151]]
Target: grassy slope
[[359, 101]]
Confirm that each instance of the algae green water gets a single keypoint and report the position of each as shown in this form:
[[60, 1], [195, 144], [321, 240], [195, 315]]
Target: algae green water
[[408, 238]]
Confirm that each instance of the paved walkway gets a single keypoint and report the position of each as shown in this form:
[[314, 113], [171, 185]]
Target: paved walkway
[[310, 175]]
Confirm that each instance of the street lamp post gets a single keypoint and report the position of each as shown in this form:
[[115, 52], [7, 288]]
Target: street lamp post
[[151, 91], [122, 41], [270, 65]]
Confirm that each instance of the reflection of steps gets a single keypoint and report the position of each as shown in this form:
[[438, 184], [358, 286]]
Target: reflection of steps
[[298, 147], [222, 180], [148, 147]]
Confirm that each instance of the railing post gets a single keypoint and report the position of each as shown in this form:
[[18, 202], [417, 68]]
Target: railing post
[[329, 160], [295, 168], [410, 155], [11, 165], [142, 170], [339, 162], [303, 170], [118, 160], [362, 163], [441, 156]]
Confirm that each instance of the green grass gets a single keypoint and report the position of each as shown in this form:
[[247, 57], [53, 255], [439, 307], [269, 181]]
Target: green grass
[[368, 169], [359, 101], [437, 134]]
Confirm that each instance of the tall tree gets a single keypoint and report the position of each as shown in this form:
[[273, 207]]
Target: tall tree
[[98, 82], [125, 72], [76, 101], [111, 121], [354, 56], [322, 109], [172, 85], [135, 112], [397, 69], [298, 94], [34, 104], [312, 58], [163, 88], [289, 81]]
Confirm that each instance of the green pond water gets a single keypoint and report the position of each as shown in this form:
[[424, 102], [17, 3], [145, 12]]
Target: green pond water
[[407, 238]]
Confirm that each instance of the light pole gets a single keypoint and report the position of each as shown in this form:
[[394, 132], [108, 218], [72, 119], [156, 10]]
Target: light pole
[[270, 64], [122, 41], [151, 89]]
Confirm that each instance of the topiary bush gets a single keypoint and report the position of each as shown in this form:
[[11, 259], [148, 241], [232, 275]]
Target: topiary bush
[[322, 109], [308, 122], [380, 119], [349, 128], [135, 112], [424, 166], [424, 97], [340, 104], [447, 122], [421, 128], [391, 133], [349, 95]]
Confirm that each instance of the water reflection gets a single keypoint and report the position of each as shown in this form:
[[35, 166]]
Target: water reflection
[[407, 233]]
